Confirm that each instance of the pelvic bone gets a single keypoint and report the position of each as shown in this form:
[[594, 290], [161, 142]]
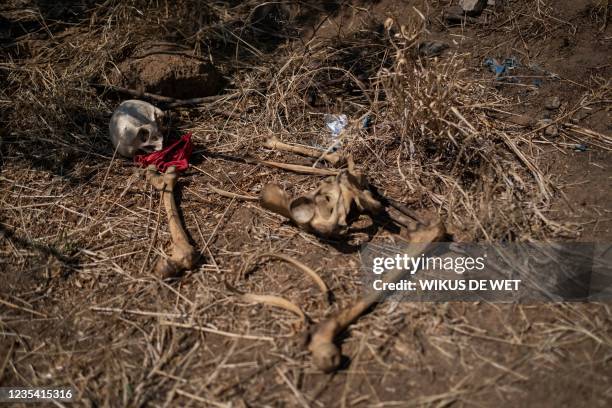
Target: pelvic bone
[[324, 210]]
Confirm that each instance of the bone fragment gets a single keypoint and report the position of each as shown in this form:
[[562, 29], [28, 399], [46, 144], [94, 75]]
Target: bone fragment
[[275, 199], [275, 144], [403, 209], [325, 353], [275, 301], [296, 168], [182, 255], [229, 194], [304, 268]]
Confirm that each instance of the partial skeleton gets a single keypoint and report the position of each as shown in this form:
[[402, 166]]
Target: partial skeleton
[[324, 211]]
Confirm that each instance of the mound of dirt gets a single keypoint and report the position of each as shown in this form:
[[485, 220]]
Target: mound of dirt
[[168, 70]]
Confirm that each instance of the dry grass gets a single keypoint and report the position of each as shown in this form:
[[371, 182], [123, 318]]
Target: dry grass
[[80, 308]]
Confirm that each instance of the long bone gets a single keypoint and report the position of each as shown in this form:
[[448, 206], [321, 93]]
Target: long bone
[[182, 254], [274, 144], [326, 354]]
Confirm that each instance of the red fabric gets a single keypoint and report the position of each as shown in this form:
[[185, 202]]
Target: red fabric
[[177, 154]]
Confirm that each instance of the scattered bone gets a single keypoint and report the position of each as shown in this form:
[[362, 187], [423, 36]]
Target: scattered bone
[[275, 144], [304, 268], [404, 210], [275, 301], [325, 209], [183, 255], [296, 168], [325, 353], [229, 194], [275, 199]]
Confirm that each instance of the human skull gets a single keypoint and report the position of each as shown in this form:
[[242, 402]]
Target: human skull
[[135, 127]]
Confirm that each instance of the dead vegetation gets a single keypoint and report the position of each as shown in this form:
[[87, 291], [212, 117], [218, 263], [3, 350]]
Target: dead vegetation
[[81, 229]]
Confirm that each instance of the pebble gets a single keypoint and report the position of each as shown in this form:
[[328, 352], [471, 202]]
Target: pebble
[[552, 130], [473, 7], [522, 120], [455, 15], [552, 103], [431, 48]]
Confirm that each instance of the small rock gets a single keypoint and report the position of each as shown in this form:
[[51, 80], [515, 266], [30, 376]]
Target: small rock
[[522, 120], [581, 115], [455, 15], [552, 103], [581, 147], [552, 130], [431, 48], [473, 7]]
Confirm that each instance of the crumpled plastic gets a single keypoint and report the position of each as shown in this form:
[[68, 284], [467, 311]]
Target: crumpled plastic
[[336, 123], [177, 155], [501, 69]]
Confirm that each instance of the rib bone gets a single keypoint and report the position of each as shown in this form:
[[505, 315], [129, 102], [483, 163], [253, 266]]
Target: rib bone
[[325, 353], [182, 255], [275, 144]]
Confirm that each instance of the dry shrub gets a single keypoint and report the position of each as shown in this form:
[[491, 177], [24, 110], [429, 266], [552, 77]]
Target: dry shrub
[[432, 141]]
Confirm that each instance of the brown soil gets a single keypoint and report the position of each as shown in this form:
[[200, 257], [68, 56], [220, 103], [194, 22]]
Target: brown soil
[[79, 229], [168, 70]]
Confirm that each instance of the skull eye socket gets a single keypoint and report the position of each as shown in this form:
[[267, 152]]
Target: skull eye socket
[[143, 135]]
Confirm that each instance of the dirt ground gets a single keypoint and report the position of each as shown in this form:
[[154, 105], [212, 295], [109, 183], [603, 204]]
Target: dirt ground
[[80, 229]]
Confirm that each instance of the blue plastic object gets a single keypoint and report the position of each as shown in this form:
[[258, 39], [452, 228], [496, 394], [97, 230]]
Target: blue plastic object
[[500, 70]]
